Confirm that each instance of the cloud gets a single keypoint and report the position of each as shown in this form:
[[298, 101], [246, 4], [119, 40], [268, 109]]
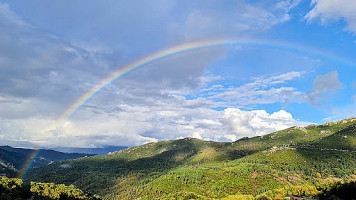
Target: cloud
[[272, 89], [263, 90], [138, 125], [169, 117], [256, 122], [331, 11], [44, 71], [287, 5], [179, 71], [197, 20], [20, 108], [28, 132], [216, 19], [163, 22], [322, 86], [11, 17], [254, 17], [38, 66], [43, 74]]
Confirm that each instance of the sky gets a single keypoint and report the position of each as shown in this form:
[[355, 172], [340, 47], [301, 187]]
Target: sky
[[252, 67]]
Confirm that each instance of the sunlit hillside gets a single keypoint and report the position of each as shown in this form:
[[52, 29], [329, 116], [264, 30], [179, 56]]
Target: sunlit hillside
[[295, 157], [177, 99]]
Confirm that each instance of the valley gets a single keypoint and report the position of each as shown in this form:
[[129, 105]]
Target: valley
[[303, 161], [14, 160], [178, 100]]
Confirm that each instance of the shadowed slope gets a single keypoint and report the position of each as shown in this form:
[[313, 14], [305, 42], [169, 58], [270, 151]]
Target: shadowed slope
[[204, 169]]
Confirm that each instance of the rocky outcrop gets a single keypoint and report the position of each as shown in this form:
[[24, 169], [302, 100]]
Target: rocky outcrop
[[344, 121]]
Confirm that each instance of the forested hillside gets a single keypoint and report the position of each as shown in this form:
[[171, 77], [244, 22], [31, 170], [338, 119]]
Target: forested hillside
[[302, 161], [13, 160], [13, 189]]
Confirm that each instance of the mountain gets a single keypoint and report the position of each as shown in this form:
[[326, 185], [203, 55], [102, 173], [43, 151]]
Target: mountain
[[12, 160], [96, 151], [301, 161]]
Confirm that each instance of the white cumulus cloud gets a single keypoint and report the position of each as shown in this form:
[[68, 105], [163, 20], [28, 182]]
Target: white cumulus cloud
[[257, 122], [334, 10]]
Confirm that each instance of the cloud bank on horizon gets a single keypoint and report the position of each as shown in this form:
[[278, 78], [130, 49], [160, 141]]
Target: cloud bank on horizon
[[51, 54]]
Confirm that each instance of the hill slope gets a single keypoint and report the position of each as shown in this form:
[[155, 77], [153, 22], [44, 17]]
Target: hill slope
[[13, 188], [192, 168], [12, 160]]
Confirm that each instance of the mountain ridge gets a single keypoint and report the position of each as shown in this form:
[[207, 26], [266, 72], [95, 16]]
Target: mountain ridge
[[96, 151], [13, 160], [190, 166]]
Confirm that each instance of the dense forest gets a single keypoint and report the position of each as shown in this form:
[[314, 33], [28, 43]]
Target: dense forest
[[13, 160], [15, 189], [317, 161]]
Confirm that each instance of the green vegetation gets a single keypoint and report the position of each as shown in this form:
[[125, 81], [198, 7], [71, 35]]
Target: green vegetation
[[13, 189], [297, 161], [13, 160], [339, 190]]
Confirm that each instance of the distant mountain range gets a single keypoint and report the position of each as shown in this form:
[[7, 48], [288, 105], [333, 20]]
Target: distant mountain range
[[301, 161], [13, 160], [96, 151]]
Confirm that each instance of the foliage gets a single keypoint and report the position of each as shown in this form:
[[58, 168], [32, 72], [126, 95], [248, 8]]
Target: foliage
[[13, 160], [296, 161], [13, 189], [239, 197], [339, 191]]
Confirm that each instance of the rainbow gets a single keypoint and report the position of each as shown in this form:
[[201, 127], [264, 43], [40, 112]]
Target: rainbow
[[188, 47], [28, 162], [177, 50]]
